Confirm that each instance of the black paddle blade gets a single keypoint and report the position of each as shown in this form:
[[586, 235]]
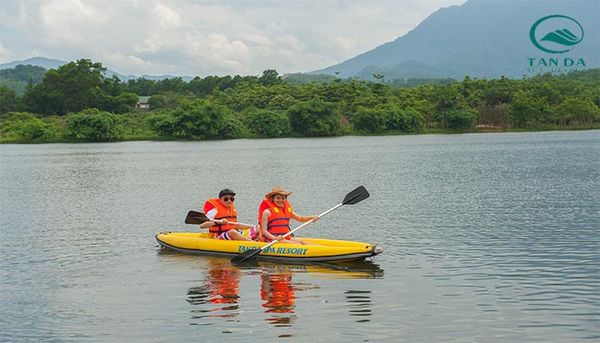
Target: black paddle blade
[[194, 217], [246, 256], [356, 196]]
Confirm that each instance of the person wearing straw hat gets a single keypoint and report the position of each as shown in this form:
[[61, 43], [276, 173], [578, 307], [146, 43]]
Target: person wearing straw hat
[[275, 213]]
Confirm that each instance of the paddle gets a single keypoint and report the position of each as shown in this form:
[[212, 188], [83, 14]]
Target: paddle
[[356, 196], [194, 217]]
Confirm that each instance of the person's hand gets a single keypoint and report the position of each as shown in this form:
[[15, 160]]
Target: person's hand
[[279, 238], [224, 222], [314, 218]]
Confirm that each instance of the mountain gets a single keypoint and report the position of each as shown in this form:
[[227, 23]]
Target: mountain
[[49, 63], [489, 39], [46, 63]]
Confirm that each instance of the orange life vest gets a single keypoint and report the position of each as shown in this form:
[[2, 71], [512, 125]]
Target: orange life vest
[[279, 220], [223, 212]]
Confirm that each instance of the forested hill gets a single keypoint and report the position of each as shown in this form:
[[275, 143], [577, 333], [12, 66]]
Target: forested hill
[[485, 38], [20, 76], [46, 63], [77, 102]]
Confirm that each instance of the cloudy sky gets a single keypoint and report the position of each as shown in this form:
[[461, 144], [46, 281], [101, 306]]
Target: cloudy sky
[[205, 37]]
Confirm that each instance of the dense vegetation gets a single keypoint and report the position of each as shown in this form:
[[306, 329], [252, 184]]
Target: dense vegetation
[[20, 76], [76, 102]]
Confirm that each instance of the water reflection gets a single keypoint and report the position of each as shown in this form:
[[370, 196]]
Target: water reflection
[[219, 296], [359, 303], [278, 288], [220, 287], [277, 294]]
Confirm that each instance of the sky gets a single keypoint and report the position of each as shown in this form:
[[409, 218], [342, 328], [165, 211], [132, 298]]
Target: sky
[[205, 37]]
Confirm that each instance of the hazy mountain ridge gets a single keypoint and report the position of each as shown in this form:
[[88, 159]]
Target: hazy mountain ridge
[[50, 63], [478, 38]]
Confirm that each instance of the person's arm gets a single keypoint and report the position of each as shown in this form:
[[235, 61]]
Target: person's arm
[[295, 216], [243, 226], [263, 226], [210, 215]]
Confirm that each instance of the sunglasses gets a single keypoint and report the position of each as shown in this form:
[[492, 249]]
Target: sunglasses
[[228, 199], [280, 197]]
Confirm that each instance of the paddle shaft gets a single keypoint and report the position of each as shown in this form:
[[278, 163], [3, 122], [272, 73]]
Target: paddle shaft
[[301, 226], [230, 223]]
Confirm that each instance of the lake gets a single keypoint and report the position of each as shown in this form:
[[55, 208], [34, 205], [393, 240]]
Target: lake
[[486, 238]]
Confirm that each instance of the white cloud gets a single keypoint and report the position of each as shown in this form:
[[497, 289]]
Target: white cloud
[[202, 37], [166, 16], [226, 54], [133, 64], [5, 54]]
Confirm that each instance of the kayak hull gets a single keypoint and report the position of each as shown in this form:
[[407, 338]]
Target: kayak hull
[[320, 250]]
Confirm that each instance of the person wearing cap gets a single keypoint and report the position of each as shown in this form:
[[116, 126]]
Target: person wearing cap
[[274, 215], [221, 211]]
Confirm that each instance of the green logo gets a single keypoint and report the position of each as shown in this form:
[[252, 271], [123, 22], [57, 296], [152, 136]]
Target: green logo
[[556, 33]]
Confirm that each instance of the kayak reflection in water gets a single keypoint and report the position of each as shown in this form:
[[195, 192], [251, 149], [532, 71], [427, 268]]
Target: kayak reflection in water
[[221, 286]]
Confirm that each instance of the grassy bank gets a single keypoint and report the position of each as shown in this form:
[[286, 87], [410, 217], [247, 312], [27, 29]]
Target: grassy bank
[[27, 128]]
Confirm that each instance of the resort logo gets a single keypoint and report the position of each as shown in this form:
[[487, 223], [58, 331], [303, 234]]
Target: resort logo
[[555, 34]]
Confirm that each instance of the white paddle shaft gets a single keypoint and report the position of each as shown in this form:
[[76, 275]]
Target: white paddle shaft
[[301, 226]]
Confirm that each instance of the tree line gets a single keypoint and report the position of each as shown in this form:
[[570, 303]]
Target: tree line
[[77, 102]]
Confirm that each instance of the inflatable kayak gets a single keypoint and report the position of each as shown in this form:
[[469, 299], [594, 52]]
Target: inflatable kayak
[[321, 250]]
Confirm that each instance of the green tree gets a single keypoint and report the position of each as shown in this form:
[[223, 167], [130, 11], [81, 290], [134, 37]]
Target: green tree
[[499, 91], [461, 119], [268, 123], [370, 120], [204, 119], [125, 102], [24, 73], [113, 86], [8, 100], [22, 127], [70, 88], [93, 125], [378, 77], [142, 86], [576, 111], [315, 117], [528, 111], [165, 100], [269, 77], [405, 120], [162, 123], [232, 127]]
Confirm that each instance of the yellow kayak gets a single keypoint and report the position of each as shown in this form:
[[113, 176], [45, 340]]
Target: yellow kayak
[[320, 250]]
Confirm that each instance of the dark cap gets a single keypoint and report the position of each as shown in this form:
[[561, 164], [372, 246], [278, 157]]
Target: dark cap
[[225, 192]]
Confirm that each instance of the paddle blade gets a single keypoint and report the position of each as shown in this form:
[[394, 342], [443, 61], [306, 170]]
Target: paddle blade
[[194, 217], [246, 256], [356, 196]]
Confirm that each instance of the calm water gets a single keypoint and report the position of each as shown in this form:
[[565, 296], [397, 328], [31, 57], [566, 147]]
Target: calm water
[[487, 238]]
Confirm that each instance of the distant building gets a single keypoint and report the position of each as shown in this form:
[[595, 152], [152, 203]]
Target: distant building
[[142, 103]]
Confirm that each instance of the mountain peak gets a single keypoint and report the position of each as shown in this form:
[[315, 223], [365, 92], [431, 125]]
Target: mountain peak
[[485, 39], [44, 62]]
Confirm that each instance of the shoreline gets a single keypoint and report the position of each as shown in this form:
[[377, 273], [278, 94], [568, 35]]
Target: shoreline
[[353, 134]]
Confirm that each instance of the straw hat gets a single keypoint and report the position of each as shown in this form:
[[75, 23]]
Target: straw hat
[[277, 190]]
